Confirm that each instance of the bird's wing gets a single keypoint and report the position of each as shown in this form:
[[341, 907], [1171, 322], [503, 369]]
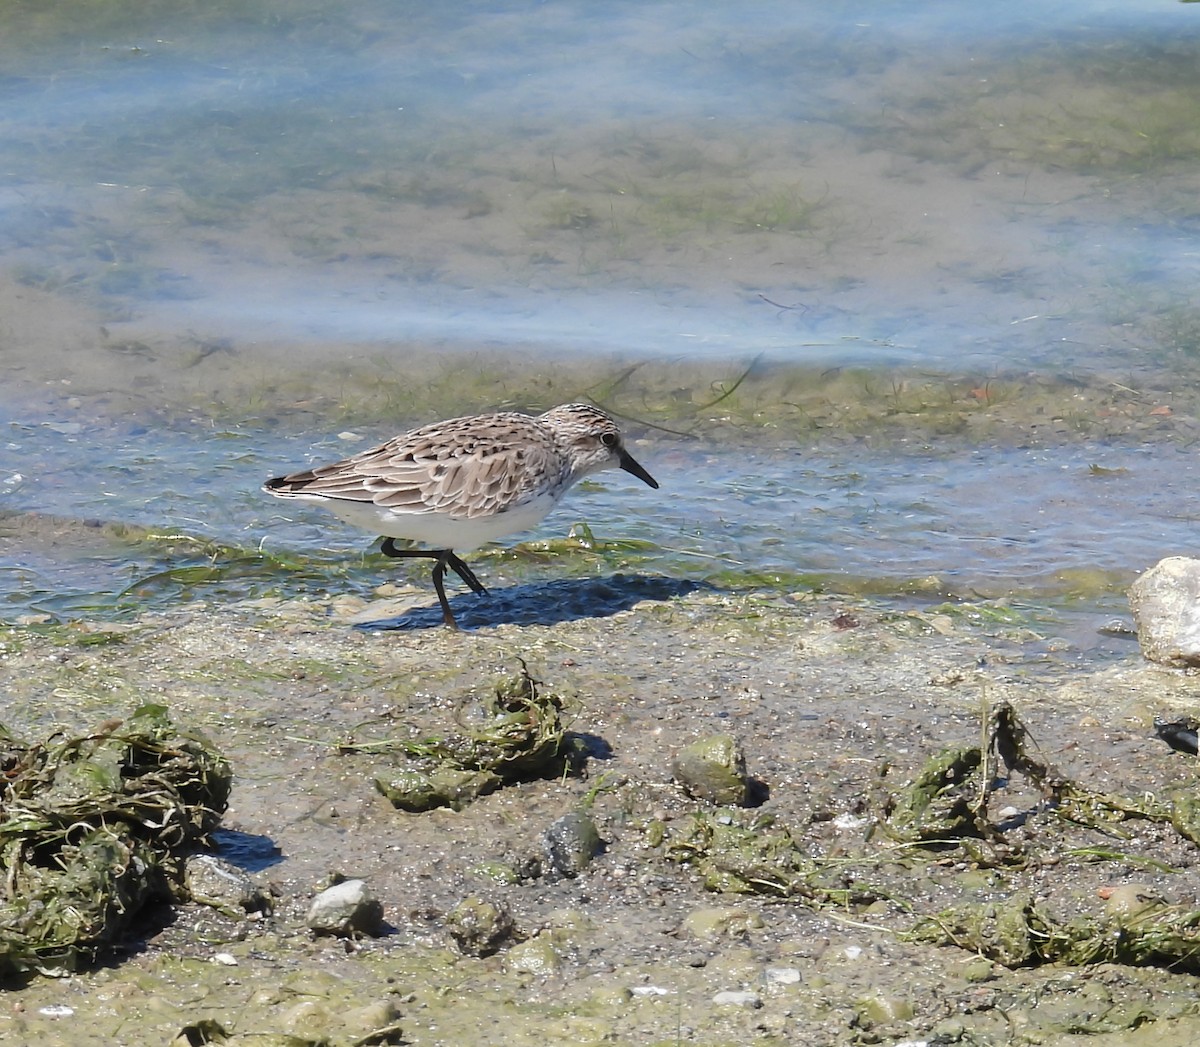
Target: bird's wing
[[464, 473]]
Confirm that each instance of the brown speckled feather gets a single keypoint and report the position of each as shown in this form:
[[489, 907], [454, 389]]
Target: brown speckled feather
[[456, 467]]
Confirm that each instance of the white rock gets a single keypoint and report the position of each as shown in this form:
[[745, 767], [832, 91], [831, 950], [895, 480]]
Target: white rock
[[847, 820], [345, 909], [1166, 611]]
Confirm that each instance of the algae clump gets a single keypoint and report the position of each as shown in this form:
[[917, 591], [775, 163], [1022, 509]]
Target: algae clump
[[94, 828], [516, 733]]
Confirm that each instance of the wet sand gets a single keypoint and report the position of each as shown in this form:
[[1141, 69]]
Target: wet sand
[[834, 700]]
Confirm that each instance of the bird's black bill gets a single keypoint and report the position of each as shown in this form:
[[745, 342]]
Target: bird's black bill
[[630, 466]]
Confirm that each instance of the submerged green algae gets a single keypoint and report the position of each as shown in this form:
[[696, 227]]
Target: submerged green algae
[[1117, 106]]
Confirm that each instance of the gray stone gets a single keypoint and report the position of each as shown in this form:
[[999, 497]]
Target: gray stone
[[571, 843], [346, 909], [1166, 610]]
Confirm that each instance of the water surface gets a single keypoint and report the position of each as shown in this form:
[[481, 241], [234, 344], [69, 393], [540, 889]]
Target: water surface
[[231, 234]]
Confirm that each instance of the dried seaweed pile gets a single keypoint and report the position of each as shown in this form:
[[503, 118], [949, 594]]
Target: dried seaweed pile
[[1018, 933], [514, 733], [949, 799], [91, 830], [944, 812], [766, 859]]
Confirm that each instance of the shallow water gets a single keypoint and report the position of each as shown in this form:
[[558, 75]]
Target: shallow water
[[220, 224], [1068, 523]]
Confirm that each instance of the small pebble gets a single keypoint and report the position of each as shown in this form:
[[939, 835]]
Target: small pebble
[[215, 882], [713, 768], [536, 956], [849, 821], [480, 927]]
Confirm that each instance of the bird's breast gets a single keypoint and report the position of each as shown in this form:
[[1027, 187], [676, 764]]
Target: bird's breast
[[438, 530]]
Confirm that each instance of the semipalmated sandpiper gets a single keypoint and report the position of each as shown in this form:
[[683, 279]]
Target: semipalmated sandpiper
[[454, 485]]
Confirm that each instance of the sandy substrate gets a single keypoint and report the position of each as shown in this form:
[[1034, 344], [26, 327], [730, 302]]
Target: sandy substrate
[[836, 702]]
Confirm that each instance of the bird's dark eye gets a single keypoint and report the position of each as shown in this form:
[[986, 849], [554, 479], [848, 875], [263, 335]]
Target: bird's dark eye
[[608, 439]]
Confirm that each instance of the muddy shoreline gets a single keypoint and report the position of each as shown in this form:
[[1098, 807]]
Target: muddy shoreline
[[340, 222], [832, 698]]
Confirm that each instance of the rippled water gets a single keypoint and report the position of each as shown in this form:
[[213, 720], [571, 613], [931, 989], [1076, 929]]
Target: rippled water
[[1068, 522], [231, 233]]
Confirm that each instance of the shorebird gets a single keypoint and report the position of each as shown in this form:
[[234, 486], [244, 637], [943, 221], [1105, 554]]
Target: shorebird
[[454, 485]]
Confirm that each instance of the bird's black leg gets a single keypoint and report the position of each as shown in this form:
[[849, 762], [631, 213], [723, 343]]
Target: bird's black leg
[[439, 572], [465, 573], [445, 558], [388, 548], [460, 568]]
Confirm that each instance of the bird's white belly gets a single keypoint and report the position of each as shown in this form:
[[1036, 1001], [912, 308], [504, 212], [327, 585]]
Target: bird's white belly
[[436, 530]]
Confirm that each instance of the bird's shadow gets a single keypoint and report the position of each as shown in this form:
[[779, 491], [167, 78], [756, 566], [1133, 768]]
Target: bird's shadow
[[545, 603], [250, 851]]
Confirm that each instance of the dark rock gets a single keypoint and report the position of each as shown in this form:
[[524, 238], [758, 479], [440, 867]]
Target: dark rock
[[571, 843]]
